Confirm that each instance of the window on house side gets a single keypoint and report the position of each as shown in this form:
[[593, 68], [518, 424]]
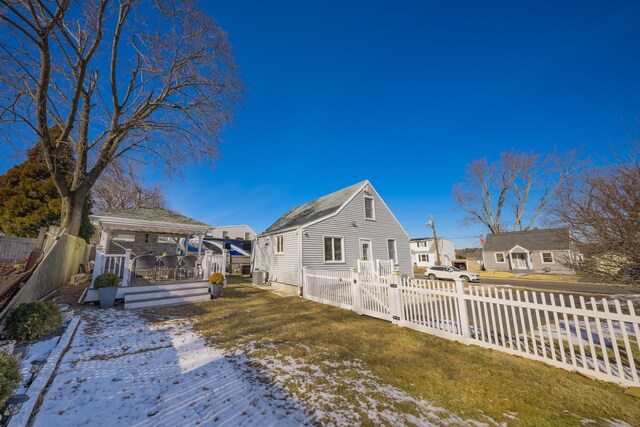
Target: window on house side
[[246, 236], [369, 208], [424, 257], [280, 244], [391, 245], [499, 257], [333, 249], [225, 234], [547, 257]]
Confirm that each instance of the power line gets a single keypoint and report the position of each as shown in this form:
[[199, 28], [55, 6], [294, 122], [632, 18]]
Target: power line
[[429, 213]]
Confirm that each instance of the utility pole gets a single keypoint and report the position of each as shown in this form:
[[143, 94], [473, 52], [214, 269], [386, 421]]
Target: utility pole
[[431, 223]]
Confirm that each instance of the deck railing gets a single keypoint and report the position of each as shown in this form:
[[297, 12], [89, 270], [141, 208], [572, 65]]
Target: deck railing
[[117, 264]]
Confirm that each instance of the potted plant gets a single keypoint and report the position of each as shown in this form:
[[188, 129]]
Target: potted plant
[[217, 281], [107, 286]]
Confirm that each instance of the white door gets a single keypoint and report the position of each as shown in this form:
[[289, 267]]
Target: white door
[[365, 250], [519, 261]]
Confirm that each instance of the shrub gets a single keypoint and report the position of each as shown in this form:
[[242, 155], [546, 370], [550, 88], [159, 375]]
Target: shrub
[[106, 280], [9, 376], [33, 320], [216, 278]]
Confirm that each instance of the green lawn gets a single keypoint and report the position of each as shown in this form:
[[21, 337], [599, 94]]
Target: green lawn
[[290, 340]]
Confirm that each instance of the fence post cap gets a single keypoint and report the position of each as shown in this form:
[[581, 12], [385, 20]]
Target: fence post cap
[[354, 270], [396, 272]]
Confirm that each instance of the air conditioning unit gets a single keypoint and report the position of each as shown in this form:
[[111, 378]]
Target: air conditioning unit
[[260, 277]]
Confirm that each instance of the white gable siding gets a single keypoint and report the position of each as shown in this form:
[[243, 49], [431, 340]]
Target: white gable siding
[[384, 227], [283, 268], [233, 232]]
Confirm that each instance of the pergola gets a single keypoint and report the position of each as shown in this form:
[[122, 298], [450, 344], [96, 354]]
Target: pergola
[[148, 221]]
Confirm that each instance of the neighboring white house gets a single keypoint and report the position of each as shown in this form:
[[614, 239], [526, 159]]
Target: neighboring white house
[[423, 251], [332, 233], [233, 232]]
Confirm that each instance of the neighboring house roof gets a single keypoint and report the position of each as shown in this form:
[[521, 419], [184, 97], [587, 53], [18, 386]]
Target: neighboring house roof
[[315, 209], [532, 240]]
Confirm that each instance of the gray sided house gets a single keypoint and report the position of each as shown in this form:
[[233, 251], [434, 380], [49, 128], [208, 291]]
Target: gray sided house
[[540, 251], [332, 233]]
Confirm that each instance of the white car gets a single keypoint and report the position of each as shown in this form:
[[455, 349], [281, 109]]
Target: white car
[[451, 273]]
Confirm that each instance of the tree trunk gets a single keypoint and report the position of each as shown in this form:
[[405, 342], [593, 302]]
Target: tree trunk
[[71, 214]]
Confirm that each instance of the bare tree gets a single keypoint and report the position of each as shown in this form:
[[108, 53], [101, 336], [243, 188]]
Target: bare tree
[[121, 187], [602, 207], [513, 191], [147, 79]]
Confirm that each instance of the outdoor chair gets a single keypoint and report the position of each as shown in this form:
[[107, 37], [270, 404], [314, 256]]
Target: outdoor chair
[[144, 266], [187, 266], [166, 267]]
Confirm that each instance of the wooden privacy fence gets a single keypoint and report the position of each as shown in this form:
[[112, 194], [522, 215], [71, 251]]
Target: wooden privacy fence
[[16, 249], [60, 262], [599, 338]]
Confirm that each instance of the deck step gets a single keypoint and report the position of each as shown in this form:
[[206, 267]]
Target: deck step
[[160, 302], [142, 296], [134, 289]]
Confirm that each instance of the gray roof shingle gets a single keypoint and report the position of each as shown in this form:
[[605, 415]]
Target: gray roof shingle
[[315, 209], [153, 214], [533, 240]]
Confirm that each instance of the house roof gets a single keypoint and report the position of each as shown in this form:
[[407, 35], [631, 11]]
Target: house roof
[[315, 209], [149, 220], [547, 239], [152, 214]]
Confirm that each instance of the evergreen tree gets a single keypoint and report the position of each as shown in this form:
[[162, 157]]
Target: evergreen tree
[[30, 199]]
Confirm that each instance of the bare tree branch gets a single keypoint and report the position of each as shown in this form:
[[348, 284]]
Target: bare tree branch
[[179, 85], [514, 179], [602, 207], [121, 188]]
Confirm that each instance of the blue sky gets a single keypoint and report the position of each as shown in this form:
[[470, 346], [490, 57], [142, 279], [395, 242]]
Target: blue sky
[[405, 94]]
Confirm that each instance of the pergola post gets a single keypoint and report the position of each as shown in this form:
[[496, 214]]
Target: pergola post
[[105, 236], [200, 245]]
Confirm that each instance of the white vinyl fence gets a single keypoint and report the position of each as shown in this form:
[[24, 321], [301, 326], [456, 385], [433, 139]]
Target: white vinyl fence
[[329, 287], [599, 338]]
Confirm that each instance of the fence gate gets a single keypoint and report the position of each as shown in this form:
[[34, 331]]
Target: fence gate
[[373, 298]]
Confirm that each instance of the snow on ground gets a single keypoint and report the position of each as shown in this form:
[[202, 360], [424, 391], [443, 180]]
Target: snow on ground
[[122, 370], [38, 350], [321, 387], [623, 298]]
